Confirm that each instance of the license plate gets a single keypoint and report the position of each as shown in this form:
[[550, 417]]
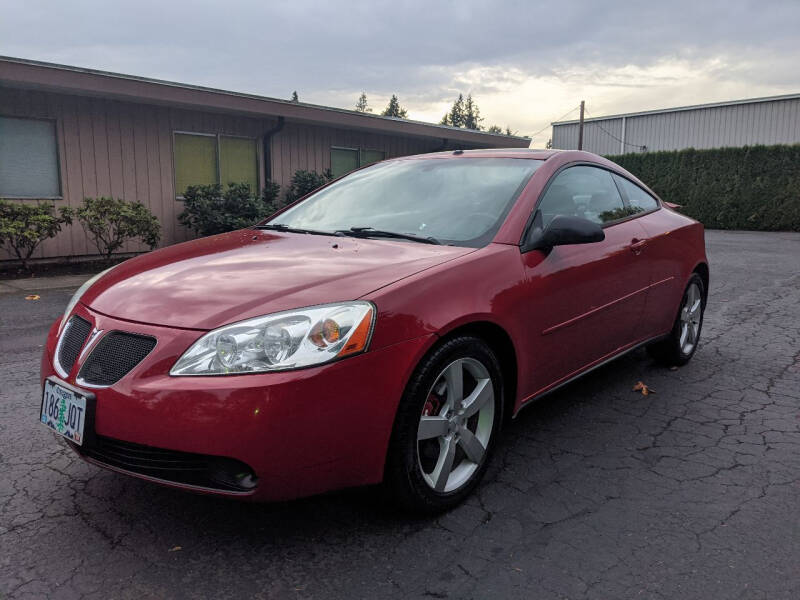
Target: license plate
[[64, 411]]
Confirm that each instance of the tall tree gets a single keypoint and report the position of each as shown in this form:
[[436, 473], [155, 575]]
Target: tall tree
[[361, 105], [455, 118], [472, 114], [295, 98], [495, 129], [393, 109]]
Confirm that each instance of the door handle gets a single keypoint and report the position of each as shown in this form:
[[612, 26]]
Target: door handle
[[637, 245]]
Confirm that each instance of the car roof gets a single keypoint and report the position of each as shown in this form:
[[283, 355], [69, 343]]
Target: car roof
[[487, 153]]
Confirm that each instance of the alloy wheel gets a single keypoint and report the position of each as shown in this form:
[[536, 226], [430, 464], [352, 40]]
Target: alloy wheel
[[690, 317], [455, 425]]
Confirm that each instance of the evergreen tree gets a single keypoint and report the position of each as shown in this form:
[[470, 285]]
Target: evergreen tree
[[361, 105], [295, 98], [455, 118], [472, 114], [393, 109], [495, 129]]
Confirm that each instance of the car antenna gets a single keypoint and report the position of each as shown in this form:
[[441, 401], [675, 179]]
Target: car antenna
[[459, 151]]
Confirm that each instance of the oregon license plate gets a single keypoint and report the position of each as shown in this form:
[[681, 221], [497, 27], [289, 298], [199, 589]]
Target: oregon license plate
[[64, 411]]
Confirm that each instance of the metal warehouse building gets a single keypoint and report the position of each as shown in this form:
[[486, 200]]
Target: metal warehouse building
[[773, 120]]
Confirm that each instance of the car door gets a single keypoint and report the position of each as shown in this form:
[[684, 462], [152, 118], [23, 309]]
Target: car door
[[665, 262], [585, 301]]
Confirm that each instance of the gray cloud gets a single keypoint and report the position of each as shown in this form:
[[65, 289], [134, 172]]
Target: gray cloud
[[420, 50]]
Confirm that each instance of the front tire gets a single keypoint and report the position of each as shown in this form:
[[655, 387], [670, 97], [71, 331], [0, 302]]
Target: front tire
[[681, 344], [446, 427]]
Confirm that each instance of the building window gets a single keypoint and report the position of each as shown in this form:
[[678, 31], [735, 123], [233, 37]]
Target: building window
[[28, 159], [203, 159], [371, 156], [344, 160]]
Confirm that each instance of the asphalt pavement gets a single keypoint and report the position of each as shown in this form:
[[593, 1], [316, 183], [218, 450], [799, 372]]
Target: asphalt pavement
[[595, 492]]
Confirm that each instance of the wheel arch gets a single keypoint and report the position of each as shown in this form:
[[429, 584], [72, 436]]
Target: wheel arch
[[702, 270], [501, 343]]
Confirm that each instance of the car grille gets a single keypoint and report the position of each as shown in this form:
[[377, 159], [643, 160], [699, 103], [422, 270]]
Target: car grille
[[115, 355], [200, 470], [72, 340]]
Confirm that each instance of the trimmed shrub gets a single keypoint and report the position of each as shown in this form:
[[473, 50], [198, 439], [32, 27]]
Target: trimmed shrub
[[304, 182], [110, 222], [209, 210], [24, 226], [754, 187]]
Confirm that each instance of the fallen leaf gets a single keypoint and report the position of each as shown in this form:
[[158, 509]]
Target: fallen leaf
[[641, 387], [175, 549], [32, 297]]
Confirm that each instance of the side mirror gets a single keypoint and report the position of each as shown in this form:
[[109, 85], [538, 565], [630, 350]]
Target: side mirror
[[564, 230]]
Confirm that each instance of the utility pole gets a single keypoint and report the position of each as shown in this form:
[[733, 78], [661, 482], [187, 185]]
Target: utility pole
[[580, 129]]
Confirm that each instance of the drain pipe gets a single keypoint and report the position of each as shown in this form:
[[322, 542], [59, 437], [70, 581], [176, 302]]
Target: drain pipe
[[267, 139]]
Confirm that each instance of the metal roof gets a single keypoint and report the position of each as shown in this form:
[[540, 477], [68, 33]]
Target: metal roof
[[683, 108]]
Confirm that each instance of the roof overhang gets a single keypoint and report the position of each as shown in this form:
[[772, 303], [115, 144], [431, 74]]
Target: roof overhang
[[15, 72]]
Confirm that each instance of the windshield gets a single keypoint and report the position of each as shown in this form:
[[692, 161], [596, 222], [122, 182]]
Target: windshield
[[459, 201]]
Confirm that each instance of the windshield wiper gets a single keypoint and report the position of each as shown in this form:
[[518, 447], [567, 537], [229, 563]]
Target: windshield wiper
[[368, 232], [285, 227]]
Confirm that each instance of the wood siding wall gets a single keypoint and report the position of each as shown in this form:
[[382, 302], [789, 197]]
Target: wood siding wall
[[122, 149]]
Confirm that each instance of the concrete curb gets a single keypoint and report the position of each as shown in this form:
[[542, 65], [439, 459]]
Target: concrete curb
[[37, 284]]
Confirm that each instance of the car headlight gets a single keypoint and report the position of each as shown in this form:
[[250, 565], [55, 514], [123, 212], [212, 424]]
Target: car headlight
[[285, 340], [77, 296]]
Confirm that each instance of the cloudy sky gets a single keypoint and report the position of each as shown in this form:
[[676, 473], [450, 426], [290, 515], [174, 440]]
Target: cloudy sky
[[526, 63]]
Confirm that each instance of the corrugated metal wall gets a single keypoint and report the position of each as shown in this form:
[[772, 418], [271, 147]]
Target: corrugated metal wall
[[125, 150], [764, 122]]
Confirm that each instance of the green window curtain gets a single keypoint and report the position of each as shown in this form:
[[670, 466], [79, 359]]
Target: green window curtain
[[343, 161], [371, 156], [28, 159], [195, 161], [238, 161]]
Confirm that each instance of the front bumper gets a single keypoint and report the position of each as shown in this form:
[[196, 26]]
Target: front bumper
[[301, 432]]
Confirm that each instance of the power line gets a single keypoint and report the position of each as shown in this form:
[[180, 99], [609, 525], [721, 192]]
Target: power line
[[621, 141], [555, 121]]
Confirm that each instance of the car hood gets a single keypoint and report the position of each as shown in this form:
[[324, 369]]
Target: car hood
[[225, 278]]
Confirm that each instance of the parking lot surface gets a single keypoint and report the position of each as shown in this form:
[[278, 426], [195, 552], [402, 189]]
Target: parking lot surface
[[596, 491]]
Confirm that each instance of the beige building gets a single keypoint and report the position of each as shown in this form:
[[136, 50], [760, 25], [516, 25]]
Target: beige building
[[67, 133]]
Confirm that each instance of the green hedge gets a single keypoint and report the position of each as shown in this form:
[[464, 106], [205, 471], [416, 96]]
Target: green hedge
[[754, 187]]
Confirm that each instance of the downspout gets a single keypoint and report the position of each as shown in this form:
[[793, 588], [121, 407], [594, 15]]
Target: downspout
[[267, 141]]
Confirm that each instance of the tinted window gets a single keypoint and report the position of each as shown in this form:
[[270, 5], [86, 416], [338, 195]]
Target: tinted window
[[637, 197], [461, 201], [585, 192]]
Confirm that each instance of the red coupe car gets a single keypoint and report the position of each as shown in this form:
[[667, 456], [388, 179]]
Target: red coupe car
[[379, 330]]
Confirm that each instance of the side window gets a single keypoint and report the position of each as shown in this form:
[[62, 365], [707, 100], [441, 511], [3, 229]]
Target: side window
[[637, 198], [586, 192]]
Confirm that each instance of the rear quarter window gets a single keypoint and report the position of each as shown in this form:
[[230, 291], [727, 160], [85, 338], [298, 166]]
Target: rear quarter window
[[638, 199]]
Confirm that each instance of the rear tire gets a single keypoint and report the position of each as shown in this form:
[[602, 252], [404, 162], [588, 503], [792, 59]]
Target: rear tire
[[446, 427], [681, 344]]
